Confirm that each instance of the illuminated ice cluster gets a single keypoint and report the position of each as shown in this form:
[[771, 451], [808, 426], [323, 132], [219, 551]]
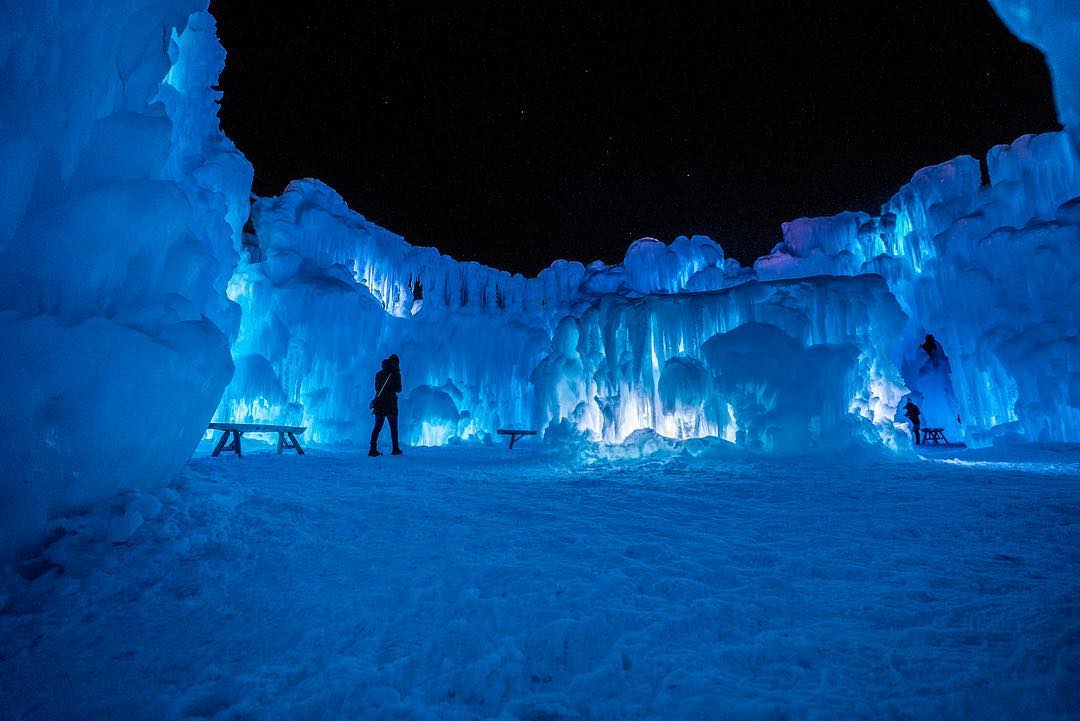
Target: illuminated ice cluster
[[991, 270], [605, 349], [779, 365], [326, 294], [608, 350]]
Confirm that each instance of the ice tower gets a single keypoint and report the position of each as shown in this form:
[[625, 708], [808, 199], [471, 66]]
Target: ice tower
[[120, 216]]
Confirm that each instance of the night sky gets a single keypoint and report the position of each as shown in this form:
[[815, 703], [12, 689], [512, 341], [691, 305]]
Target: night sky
[[518, 133]]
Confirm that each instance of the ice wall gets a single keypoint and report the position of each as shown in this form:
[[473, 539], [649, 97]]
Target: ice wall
[[327, 294], [783, 365], [988, 269], [121, 209], [675, 339], [992, 271], [1053, 26]]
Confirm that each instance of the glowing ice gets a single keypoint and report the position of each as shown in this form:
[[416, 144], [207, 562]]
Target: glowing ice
[[121, 207], [328, 294]]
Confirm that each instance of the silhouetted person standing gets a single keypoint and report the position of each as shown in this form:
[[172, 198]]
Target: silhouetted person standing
[[934, 352], [387, 386], [911, 411]]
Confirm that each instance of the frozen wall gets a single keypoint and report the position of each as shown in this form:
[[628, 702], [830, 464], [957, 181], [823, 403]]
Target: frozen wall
[[120, 213], [657, 341], [327, 294], [992, 271], [784, 365], [1053, 26], [988, 269]]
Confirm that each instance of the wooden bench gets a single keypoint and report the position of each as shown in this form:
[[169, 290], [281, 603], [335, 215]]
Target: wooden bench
[[514, 434], [236, 430], [935, 436]]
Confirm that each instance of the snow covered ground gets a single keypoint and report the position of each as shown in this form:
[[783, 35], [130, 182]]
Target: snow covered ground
[[476, 583]]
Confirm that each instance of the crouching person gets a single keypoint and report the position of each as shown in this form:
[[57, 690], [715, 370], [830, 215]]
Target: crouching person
[[913, 414], [384, 405]]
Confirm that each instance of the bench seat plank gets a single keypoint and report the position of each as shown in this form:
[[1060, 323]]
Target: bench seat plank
[[515, 434], [256, 428]]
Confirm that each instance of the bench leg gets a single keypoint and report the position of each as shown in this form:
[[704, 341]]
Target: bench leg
[[280, 442], [235, 445], [513, 439], [296, 444], [220, 444]]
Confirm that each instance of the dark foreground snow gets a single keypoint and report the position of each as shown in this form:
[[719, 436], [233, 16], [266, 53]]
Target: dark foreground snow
[[477, 583]]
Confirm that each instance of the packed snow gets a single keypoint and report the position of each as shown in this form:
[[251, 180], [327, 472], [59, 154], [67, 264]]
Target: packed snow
[[480, 583]]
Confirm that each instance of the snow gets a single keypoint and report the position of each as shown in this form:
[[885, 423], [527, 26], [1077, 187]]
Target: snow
[[472, 582]]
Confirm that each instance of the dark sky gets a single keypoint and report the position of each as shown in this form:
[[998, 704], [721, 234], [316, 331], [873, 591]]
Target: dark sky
[[518, 133]]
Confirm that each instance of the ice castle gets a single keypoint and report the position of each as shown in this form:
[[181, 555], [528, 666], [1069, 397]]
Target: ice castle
[[140, 281]]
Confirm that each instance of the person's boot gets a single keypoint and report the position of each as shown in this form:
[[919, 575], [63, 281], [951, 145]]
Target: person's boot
[[374, 452], [397, 452]]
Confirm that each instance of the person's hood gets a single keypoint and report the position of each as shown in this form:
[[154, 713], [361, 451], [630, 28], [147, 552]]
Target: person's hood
[[391, 363]]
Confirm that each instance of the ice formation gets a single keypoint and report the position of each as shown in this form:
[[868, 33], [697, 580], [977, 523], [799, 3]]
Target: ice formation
[[326, 294], [128, 272], [658, 342], [759, 363], [609, 350], [120, 214], [990, 270], [1053, 26]]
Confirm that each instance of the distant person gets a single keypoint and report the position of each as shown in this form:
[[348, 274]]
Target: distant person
[[911, 411], [934, 352], [384, 405]]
